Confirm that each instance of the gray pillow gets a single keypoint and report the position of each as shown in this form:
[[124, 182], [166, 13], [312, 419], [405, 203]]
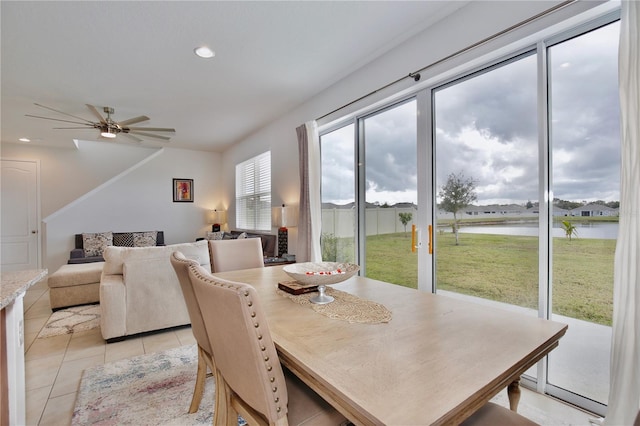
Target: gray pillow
[[145, 239], [95, 243]]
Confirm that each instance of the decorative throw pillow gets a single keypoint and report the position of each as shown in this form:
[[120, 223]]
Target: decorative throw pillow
[[123, 239], [94, 244], [228, 236], [242, 236], [215, 235], [145, 239]]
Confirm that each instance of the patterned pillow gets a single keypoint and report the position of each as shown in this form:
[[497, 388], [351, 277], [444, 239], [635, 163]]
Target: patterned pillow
[[123, 239], [94, 244], [215, 235], [145, 239], [242, 236]]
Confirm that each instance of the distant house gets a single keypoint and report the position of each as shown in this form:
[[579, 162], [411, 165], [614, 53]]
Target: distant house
[[495, 210], [559, 211], [593, 210]]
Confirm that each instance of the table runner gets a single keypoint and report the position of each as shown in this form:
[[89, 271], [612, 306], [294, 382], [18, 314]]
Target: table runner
[[345, 307]]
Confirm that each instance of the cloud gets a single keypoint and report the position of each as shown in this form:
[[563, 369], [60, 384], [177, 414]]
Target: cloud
[[486, 126]]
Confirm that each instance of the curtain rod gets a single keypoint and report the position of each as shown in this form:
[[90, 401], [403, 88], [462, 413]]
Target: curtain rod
[[416, 74]]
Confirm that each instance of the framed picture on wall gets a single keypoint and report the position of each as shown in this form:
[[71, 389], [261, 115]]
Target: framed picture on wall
[[182, 190]]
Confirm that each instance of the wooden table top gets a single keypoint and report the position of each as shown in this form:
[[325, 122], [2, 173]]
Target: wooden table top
[[437, 361]]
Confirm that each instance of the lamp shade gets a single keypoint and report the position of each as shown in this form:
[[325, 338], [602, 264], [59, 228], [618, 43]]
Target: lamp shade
[[289, 217], [217, 216], [285, 217]]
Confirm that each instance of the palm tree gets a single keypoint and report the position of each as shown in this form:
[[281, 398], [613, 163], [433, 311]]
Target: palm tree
[[569, 229]]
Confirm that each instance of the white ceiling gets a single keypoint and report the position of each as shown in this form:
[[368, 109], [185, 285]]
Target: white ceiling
[[137, 57]]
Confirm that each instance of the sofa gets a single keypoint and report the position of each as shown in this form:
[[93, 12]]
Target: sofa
[[80, 254], [139, 290], [77, 284]]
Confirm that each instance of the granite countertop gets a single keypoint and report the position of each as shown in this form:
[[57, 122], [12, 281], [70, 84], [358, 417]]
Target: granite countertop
[[16, 282]]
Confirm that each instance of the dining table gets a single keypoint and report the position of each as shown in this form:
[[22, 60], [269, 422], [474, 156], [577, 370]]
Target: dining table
[[434, 359]]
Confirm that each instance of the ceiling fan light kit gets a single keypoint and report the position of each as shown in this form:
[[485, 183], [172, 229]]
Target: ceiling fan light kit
[[108, 127], [108, 134]]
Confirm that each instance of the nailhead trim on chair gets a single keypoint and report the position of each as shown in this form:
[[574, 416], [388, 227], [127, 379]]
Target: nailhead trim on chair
[[256, 325]]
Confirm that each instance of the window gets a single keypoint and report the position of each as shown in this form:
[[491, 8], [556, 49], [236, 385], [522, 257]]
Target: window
[[253, 193]]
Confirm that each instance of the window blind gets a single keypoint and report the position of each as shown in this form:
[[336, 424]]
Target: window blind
[[253, 193]]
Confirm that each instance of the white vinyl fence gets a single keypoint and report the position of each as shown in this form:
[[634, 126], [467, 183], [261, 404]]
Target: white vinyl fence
[[341, 222]]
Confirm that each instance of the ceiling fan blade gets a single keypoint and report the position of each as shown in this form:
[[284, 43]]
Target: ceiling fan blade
[[58, 119], [150, 135], [133, 120], [96, 113], [132, 137], [63, 113], [81, 128], [152, 129]]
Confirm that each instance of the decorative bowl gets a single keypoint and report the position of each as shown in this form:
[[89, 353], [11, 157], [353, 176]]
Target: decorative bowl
[[321, 273]]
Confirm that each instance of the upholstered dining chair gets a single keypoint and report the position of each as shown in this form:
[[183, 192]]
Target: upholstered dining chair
[[205, 355], [491, 414], [231, 255], [250, 378]]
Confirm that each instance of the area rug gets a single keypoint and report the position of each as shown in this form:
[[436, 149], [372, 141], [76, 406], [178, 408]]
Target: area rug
[[154, 389], [72, 320]]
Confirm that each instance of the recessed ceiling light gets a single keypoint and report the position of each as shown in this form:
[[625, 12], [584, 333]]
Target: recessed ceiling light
[[24, 140], [204, 52]]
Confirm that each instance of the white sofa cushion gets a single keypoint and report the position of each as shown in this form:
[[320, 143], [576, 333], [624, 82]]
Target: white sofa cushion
[[116, 256]]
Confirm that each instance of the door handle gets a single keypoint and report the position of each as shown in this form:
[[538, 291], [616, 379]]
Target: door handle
[[416, 238], [413, 238], [34, 231], [430, 239]]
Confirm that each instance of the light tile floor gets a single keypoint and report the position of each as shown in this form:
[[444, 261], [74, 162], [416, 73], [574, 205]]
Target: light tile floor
[[54, 365]]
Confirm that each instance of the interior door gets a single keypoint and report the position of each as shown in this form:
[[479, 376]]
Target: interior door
[[19, 242]]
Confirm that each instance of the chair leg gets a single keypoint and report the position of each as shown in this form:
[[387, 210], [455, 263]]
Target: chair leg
[[200, 381], [222, 401]]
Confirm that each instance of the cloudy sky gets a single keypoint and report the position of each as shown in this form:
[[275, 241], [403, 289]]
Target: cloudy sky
[[486, 128]]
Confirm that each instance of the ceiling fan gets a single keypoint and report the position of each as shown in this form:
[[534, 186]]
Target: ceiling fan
[[109, 128]]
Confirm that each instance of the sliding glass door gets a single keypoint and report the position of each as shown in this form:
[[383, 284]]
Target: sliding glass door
[[337, 156], [516, 167], [390, 188], [486, 145], [585, 150], [369, 195]]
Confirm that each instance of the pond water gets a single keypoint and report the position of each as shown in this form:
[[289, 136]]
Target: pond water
[[607, 231]]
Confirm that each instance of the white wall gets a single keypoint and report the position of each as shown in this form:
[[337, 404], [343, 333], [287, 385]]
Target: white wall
[[470, 24], [108, 187]]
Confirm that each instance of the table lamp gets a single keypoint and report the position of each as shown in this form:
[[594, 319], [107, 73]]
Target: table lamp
[[284, 217], [216, 219]]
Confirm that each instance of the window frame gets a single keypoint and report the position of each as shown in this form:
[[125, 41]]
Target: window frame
[[253, 193]]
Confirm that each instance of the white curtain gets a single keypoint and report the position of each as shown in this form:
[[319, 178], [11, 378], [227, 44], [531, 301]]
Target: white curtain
[[624, 395], [309, 218]]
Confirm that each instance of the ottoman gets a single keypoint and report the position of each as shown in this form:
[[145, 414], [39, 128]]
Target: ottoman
[[75, 284]]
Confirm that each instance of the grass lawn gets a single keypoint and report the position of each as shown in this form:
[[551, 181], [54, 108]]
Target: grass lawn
[[505, 268]]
